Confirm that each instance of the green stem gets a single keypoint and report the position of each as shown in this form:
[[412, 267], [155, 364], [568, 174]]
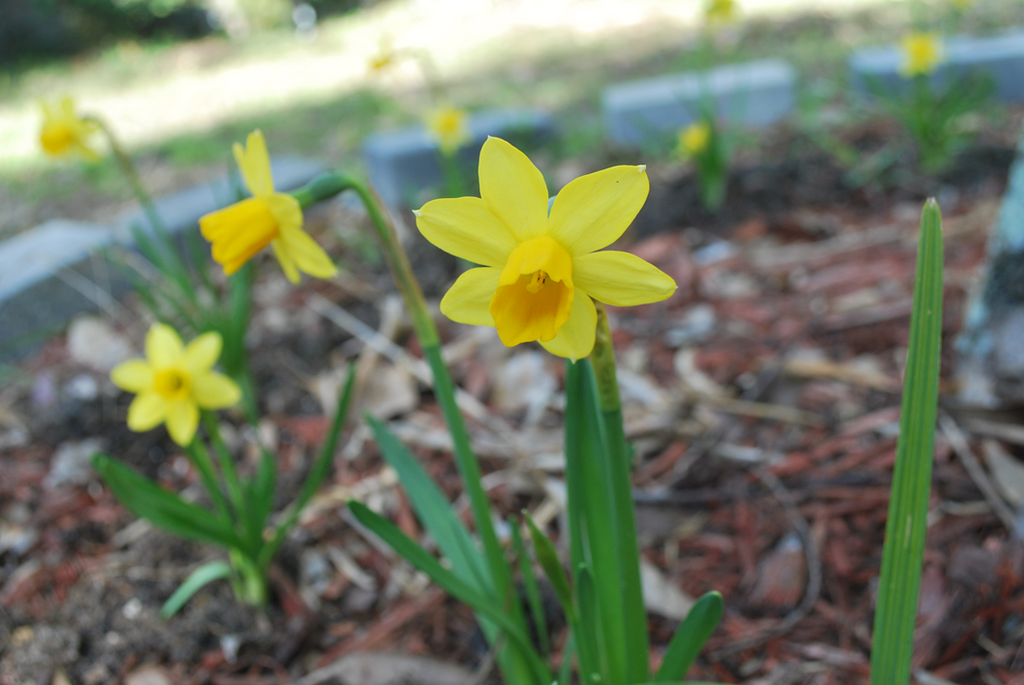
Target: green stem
[[131, 173], [619, 461], [227, 465], [200, 458], [514, 663]]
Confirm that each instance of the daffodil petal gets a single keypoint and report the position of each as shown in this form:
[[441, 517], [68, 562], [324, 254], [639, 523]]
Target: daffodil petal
[[466, 228], [306, 254], [513, 189], [134, 375], [469, 300], [285, 260], [575, 339], [214, 390], [592, 211], [163, 346], [146, 411], [182, 421], [254, 163], [621, 279], [202, 353]]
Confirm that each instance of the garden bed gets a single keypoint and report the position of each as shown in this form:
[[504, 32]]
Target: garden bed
[[762, 399]]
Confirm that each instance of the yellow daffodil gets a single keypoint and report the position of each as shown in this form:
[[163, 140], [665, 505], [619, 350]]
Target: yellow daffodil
[[65, 133], [174, 382], [922, 53], [694, 139], [384, 58], [540, 269], [720, 11], [449, 128], [267, 218]]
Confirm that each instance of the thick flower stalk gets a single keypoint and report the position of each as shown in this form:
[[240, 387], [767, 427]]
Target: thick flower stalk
[[64, 133], [720, 11], [267, 218], [921, 54], [694, 139], [541, 272], [448, 126], [174, 382]]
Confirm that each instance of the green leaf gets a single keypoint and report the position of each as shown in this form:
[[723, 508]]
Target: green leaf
[[690, 637], [434, 510], [565, 669], [316, 474], [540, 621], [205, 574], [893, 640], [163, 509], [449, 582], [591, 646], [595, 519], [548, 559]]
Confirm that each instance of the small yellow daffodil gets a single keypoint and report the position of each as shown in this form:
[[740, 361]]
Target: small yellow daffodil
[[720, 11], [174, 382], [694, 139], [541, 270], [64, 133], [267, 218], [922, 53], [449, 128], [384, 58]]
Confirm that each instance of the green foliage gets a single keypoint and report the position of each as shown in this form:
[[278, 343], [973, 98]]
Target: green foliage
[[896, 614], [935, 116], [239, 520]]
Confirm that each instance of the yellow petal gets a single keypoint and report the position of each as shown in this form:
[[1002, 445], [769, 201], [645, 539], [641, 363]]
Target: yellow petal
[[592, 211], [307, 255], [286, 261], [214, 390], [238, 232], [465, 228], [134, 375], [575, 340], [146, 411], [254, 163], [513, 189], [163, 346], [469, 300], [621, 279], [203, 352], [182, 421]]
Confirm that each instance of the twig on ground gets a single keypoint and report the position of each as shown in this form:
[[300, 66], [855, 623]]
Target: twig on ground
[[958, 441], [814, 572]]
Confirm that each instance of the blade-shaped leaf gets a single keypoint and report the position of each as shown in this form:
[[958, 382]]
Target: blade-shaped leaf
[[547, 557], [893, 640], [163, 509], [448, 581], [540, 622], [434, 510], [690, 637], [205, 574]]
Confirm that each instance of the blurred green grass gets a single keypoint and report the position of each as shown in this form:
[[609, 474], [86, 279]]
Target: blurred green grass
[[535, 68]]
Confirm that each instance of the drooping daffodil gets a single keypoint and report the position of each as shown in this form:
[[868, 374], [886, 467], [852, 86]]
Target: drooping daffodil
[[449, 128], [238, 232], [174, 382], [921, 53], [65, 133], [694, 139], [541, 271]]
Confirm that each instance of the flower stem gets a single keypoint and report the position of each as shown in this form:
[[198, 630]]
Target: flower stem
[[131, 174], [327, 185]]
